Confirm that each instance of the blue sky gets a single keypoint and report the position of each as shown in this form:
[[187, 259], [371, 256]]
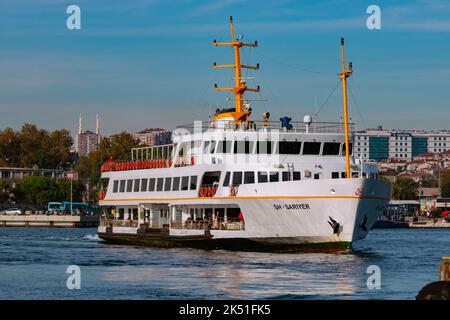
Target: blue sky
[[147, 63]]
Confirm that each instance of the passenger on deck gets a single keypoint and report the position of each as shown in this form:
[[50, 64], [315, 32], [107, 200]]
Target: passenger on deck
[[216, 223]]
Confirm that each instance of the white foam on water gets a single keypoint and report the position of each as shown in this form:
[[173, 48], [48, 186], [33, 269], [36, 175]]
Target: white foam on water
[[93, 237]]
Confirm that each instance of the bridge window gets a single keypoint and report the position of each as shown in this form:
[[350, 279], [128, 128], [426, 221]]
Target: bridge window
[[243, 147], [237, 178], [226, 181], [296, 175], [115, 186], [316, 176], [264, 147], [262, 177], [129, 185], [350, 146], [176, 184], [335, 175], [224, 146], [136, 185], [311, 148], [144, 183], [285, 176], [159, 184], [185, 183], [151, 184], [289, 147], [331, 149], [249, 177], [193, 182], [168, 184]]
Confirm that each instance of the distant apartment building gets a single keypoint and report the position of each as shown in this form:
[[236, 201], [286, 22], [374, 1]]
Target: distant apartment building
[[380, 144], [87, 141], [153, 136]]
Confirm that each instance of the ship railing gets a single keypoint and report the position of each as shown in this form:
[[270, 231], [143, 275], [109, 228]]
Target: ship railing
[[135, 165], [207, 190], [297, 126], [216, 224], [118, 223]]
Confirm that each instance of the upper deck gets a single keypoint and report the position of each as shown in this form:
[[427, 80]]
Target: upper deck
[[231, 126]]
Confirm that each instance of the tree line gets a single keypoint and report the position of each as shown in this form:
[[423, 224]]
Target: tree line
[[32, 147]]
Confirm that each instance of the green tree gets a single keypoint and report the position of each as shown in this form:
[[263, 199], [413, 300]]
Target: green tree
[[39, 190], [36, 190], [5, 191], [9, 146], [32, 147], [405, 189], [117, 146]]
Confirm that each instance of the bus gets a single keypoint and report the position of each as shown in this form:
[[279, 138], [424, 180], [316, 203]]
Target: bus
[[69, 208]]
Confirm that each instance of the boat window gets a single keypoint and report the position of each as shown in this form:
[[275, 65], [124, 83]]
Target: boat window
[[285, 176], [193, 182], [312, 148], [289, 147], [129, 185], [151, 184], [136, 185], [262, 177], [226, 181], [176, 184], [168, 184], [212, 148], [184, 183], [249, 177], [115, 186], [159, 184], [144, 183], [316, 176], [274, 176], [237, 178], [335, 175], [224, 146], [331, 149], [206, 147], [264, 147], [343, 175], [350, 146], [296, 175], [243, 147], [211, 178], [355, 174]]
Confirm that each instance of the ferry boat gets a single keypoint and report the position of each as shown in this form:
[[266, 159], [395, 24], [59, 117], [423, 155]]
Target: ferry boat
[[238, 184]]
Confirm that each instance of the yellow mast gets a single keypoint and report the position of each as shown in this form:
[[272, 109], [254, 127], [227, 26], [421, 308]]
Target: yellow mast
[[344, 74], [240, 114]]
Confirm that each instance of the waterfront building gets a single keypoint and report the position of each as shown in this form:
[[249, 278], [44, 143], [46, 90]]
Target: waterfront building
[[153, 136], [87, 141], [381, 144], [14, 175]]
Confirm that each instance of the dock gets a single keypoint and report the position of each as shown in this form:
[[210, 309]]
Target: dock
[[49, 221]]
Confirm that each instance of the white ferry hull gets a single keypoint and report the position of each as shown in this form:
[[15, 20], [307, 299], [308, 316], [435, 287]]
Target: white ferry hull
[[317, 215]]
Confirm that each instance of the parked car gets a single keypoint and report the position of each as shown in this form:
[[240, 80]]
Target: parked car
[[13, 211]]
